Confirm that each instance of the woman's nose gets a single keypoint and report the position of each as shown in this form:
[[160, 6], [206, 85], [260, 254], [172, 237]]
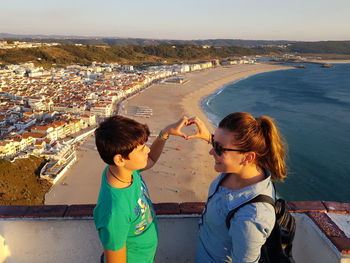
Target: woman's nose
[[211, 152]]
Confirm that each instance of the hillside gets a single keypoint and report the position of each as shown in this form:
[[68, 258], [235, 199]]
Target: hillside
[[117, 41], [20, 183], [321, 47], [69, 54]]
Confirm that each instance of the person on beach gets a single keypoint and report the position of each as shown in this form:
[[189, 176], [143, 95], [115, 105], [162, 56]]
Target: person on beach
[[249, 153], [124, 215]]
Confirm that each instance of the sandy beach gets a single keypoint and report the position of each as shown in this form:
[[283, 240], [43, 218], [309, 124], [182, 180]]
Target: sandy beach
[[185, 169]]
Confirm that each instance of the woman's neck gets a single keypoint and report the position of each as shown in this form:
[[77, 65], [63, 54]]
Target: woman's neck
[[248, 176]]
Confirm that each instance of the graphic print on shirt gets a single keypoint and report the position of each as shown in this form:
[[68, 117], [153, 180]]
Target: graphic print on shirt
[[144, 209]]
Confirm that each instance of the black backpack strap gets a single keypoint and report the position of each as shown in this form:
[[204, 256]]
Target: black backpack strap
[[257, 199]]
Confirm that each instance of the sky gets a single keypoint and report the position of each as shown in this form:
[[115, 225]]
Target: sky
[[305, 20]]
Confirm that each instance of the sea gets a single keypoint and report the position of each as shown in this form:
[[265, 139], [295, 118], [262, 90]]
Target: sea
[[311, 107]]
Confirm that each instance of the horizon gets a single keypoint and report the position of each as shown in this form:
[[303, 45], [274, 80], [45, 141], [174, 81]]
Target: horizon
[[184, 20], [54, 36]]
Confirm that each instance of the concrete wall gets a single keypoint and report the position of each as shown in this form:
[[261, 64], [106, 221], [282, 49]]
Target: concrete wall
[[43, 241], [50, 241], [311, 245], [69, 239]]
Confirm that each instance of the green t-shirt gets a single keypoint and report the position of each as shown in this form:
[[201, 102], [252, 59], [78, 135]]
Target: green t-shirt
[[126, 217]]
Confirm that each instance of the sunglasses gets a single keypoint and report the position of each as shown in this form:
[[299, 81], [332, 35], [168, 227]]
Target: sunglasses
[[218, 149]]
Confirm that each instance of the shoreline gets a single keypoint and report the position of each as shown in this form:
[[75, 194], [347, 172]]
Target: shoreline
[[185, 170], [222, 87], [205, 92]]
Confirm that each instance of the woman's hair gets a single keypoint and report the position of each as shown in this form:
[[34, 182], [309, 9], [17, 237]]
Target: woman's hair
[[259, 135], [119, 135]]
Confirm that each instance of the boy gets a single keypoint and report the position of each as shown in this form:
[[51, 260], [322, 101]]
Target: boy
[[124, 215]]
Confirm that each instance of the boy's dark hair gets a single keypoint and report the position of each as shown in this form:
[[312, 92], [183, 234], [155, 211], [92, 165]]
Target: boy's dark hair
[[119, 135]]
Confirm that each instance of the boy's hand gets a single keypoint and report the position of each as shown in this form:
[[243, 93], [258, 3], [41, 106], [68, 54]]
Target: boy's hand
[[175, 128], [202, 133]]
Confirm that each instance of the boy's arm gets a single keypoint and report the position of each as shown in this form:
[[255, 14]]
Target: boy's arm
[[158, 144], [156, 150], [118, 256]]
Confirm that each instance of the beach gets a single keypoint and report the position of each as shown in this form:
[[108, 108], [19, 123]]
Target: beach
[[185, 169]]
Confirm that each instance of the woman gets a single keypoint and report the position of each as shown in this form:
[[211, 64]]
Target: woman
[[249, 153]]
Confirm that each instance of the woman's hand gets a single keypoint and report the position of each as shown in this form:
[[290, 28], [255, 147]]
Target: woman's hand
[[175, 128], [202, 133]]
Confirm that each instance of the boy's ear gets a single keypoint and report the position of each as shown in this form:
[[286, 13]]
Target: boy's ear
[[119, 160]]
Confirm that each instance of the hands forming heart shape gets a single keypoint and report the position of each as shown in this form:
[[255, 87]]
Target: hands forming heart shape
[[201, 133]]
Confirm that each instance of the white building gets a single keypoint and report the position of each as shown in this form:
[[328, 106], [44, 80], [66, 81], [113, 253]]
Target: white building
[[101, 110], [22, 124], [128, 67]]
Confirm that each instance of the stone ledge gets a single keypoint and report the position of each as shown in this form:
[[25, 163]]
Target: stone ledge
[[306, 206], [335, 207], [79, 211], [46, 211], [7, 211], [342, 244], [54, 211], [167, 208], [326, 225], [160, 208], [191, 208]]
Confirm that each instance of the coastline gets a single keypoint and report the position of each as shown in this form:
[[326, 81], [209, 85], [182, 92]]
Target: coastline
[[223, 86], [183, 173], [335, 61]]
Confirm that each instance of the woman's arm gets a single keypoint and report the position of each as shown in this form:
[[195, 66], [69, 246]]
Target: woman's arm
[[249, 231]]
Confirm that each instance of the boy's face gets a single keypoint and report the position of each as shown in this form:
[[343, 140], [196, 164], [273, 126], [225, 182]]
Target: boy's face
[[137, 158]]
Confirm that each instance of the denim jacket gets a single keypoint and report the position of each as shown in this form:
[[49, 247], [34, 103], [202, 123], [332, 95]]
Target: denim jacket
[[250, 226]]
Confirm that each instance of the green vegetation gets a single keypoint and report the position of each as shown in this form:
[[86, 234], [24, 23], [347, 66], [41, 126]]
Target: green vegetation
[[322, 47], [70, 54], [152, 53], [191, 52], [139, 51], [20, 183]]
